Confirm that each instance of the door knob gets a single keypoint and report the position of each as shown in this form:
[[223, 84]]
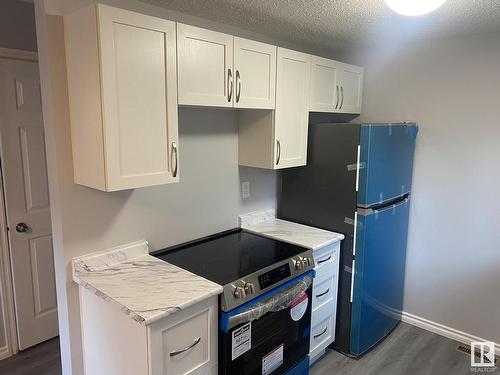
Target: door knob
[[22, 228]]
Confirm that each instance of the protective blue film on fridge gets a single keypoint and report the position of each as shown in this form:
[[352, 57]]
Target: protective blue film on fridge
[[386, 159], [378, 274]]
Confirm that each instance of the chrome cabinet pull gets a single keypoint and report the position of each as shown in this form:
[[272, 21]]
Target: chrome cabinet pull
[[324, 260], [338, 96], [342, 92], [238, 86], [278, 145], [174, 153], [177, 352], [322, 294], [229, 85], [321, 334]]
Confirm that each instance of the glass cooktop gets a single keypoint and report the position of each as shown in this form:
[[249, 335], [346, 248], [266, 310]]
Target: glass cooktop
[[226, 257]]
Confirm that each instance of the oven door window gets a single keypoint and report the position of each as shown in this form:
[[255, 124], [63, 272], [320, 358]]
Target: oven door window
[[279, 340]]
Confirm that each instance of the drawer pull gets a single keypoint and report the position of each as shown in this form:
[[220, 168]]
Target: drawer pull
[[324, 260], [177, 352], [322, 294], [321, 334]]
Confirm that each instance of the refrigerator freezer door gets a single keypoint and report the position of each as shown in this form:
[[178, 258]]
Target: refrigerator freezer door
[[386, 162], [379, 274]]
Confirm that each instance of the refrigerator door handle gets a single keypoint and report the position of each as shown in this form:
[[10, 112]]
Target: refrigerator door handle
[[352, 278], [371, 211], [358, 168]]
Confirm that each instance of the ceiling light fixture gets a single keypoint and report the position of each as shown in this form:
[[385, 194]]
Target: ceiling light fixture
[[414, 7]]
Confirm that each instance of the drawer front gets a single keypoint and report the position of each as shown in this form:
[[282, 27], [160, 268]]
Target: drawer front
[[324, 291], [325, 255], [322, 330], [185, 343]]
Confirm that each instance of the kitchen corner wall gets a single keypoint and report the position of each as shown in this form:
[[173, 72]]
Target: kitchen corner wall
[[206, 201], [451, 88]]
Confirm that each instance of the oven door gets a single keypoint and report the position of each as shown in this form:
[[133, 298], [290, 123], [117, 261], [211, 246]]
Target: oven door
[[270, 334]]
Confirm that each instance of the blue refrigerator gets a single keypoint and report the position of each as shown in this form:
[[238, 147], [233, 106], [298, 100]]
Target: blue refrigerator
[[357, 181]]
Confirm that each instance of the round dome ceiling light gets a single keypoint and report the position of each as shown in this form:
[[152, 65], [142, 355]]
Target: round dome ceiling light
[[414, 7]]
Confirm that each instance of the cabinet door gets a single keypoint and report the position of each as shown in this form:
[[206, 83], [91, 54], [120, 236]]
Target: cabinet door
[[139, 98], [292, 108], [205, 63], [255, 74], [325, 89], [186, 342], [351, 86]]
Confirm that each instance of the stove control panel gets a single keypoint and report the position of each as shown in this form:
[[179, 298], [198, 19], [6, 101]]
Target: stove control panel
[[274, 276], [253, 285]]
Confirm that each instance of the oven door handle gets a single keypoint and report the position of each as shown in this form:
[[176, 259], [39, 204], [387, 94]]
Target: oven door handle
[[276, 302]]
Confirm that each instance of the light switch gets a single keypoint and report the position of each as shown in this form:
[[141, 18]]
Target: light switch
[[245, 189]]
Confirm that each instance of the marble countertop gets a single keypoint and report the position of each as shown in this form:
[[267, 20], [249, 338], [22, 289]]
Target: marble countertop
[[144, 287], [265, 224]]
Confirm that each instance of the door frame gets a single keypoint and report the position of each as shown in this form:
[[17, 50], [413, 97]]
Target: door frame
[[6, 284]]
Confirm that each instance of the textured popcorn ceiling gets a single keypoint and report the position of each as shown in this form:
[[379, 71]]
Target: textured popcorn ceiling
[[334, 24]]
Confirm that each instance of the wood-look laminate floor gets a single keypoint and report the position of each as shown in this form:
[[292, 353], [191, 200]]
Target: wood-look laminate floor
[[407, 351], [42, 359]]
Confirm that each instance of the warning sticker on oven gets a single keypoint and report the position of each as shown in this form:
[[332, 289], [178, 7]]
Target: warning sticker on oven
[[272, 361], [299, 307], [241, 340]]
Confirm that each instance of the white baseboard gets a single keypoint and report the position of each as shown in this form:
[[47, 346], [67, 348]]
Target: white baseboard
[[442, 330], [5, 352]]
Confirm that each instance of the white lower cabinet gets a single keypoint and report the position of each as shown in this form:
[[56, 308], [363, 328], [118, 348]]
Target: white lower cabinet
[[184, 343], [324, 299]]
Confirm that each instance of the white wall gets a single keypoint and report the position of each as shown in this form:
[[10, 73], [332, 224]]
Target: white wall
[[206, 201], [452, 89]]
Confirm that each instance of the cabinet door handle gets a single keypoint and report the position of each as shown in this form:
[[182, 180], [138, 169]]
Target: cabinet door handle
[[342, 92], [177, 352], [278, 145], [324, 260], [338, 97], [321, 334], [174, 158], [229, 85], [238, 86], [323, 294]]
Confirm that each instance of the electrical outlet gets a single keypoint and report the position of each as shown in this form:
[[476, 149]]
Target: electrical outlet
[[245, 189]]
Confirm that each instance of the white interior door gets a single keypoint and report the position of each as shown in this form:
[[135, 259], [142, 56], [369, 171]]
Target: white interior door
[[255, 74], [27, 202]]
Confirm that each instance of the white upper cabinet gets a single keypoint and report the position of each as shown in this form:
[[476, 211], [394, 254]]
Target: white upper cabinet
[[123, 98], [351, 88], [335, 86], [220, 70], [255, 74], [325, 90], [205, 64], [278, 139], [292, 104]]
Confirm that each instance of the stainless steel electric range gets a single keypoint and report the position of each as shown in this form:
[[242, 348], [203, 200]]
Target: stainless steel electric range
[[265, 307]]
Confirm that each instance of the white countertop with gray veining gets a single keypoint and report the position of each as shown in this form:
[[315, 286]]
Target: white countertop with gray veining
[[142, 286], [265, 224]]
